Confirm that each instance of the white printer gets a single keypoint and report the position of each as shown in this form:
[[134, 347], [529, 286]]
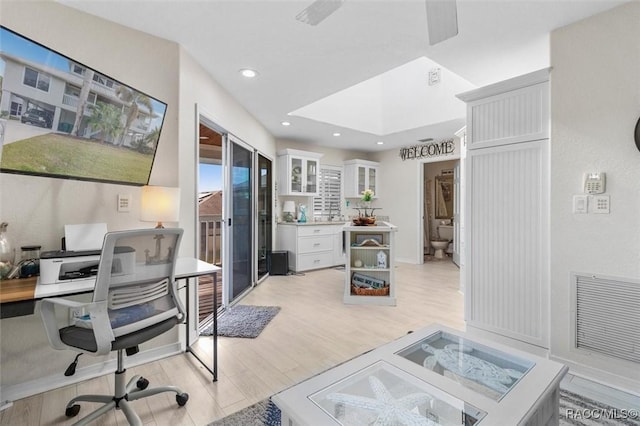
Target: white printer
[[82, 255]]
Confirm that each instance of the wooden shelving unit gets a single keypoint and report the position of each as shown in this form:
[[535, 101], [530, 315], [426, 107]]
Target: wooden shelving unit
[[365, 260]]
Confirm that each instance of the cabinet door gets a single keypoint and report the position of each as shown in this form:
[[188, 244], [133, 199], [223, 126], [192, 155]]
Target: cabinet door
[[297, 176], [362, 179], [371, 179], [311, 179]]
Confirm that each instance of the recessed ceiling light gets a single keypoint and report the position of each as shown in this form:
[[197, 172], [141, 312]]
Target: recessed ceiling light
[[380, 143], [336, 134], [286, 123], [249, 73]]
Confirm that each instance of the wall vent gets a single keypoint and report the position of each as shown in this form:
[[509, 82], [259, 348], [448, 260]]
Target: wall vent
[[607, 315]]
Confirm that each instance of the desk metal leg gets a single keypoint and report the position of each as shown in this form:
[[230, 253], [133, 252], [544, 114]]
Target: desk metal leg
[[213, 371]]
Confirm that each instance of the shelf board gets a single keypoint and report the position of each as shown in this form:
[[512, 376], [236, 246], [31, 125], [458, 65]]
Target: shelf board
[[370, 269], [370, 247]]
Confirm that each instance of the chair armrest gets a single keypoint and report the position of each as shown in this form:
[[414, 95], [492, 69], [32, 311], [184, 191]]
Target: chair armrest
[[100, 323]]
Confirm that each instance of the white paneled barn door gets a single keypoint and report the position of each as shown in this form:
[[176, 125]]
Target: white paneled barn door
[[507, 209], [507, 267]]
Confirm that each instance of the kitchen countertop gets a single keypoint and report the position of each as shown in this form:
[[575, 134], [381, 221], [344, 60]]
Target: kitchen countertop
[[335, 222]]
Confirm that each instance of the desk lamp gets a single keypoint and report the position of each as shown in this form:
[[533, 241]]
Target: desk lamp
[[159, 204]]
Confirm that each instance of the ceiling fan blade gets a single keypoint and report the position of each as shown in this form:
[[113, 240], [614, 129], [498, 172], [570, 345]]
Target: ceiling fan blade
[[318, 11], [442, 20]]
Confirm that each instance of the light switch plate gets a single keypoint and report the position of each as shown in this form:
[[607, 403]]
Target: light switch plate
[[601, 204], [124, 202], [580, 204]]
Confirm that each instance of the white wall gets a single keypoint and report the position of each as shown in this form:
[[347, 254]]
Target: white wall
[[595, 103], [37, 208], [198, 88], [401, 198]]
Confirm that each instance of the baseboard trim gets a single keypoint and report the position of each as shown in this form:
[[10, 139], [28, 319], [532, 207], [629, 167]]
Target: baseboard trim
[[599, 376], [45, 384]]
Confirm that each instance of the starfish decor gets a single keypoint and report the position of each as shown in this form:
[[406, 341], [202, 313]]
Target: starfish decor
[[389, 409]]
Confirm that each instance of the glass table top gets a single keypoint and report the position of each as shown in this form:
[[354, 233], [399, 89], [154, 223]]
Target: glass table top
[[383, 394], [488, 371]]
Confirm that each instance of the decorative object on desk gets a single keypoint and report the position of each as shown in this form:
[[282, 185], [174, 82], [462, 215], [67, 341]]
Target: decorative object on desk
[[30, 261], [159, 204], [382, 259], [288, 209], [303, 214], [245, 321], [7, 255]]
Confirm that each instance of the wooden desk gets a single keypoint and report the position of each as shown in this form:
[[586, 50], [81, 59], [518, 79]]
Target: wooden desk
[[18, 297], [17, 290]]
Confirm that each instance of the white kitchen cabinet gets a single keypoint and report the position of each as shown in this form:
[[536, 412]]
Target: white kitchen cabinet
[[298, 172], [360, 175], [370, 267], [310, 245]]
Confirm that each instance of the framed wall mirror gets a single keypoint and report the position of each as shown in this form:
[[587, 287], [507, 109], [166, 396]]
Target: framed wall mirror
[[444, 197]]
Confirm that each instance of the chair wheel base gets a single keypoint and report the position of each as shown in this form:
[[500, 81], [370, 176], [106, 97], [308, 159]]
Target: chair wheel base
[[142, 383], [72, 411], [182, 399]]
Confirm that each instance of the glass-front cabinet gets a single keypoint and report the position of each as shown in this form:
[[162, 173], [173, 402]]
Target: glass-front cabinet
[[298, 172], [360, 175]]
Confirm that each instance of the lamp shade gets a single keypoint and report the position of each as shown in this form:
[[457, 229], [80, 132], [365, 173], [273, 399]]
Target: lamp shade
[[289, 206], [160, 204]]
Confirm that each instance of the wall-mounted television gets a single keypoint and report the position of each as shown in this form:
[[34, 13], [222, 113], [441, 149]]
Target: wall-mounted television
[[62, 119]]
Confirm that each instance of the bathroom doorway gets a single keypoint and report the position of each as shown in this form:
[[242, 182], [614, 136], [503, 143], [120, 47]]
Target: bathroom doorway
[[440, 211]]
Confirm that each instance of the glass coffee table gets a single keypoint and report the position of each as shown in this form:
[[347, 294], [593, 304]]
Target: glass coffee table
[[435, 376]]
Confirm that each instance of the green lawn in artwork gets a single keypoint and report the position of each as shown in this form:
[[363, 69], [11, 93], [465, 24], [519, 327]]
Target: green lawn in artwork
[[56, 154]]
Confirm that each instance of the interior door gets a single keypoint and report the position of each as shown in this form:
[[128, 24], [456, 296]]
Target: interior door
[[239, 218], [456, 214]]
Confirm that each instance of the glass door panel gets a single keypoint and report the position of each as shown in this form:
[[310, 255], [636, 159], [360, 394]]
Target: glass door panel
[[372, 180], [312, 176], [240, 218], [265, 211], [296, 175], [361, 179]]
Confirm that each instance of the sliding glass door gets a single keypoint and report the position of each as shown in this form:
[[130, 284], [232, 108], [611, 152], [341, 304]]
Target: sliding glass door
[[239, 218], [265, 212]]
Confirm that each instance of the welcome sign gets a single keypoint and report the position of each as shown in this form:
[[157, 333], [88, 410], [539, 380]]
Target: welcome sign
[[431, 149]]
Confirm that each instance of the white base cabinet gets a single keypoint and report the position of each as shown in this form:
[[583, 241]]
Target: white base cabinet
[[311, 246], [370, 268]]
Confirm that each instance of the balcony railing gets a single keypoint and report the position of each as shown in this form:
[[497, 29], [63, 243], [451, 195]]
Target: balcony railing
[[210, 251]]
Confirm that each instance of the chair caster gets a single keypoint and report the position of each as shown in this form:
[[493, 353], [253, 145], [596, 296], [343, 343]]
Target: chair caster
[[72, 411], [142, 383], [182, 398]]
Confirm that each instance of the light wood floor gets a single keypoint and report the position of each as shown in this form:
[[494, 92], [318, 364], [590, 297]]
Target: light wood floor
[[313, 331]]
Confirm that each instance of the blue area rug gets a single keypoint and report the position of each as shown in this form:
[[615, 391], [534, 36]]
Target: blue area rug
[[246, 321]]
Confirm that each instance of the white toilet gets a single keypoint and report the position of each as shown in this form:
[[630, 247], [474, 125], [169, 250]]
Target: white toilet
[[446, 235]]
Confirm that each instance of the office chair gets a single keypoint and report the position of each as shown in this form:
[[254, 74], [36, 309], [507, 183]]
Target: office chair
[[134, 300]]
